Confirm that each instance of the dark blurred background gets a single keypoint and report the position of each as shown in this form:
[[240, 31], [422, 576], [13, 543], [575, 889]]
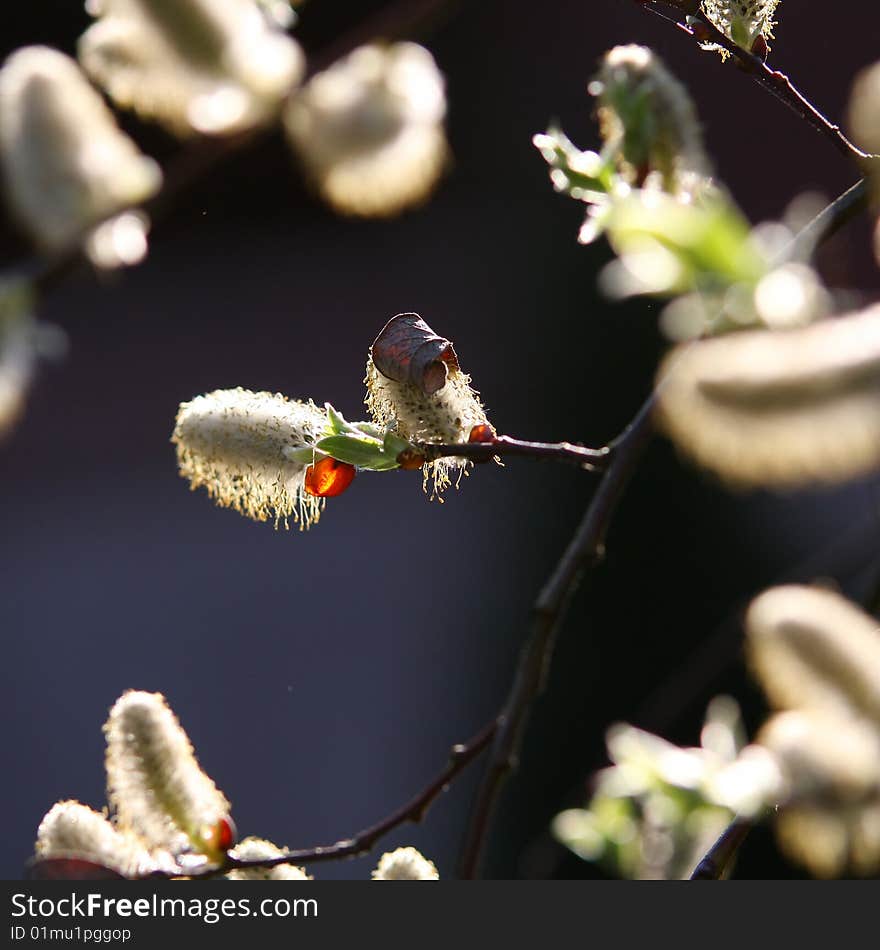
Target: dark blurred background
[[323, 677]]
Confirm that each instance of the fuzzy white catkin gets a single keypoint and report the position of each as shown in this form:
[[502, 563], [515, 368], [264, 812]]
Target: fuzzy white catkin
[[369, 130], [197, 66], [813, 649], [405, 864], [779, 407], [257, 849], [830, 818], [241, 446], [17, 352], [66, 165], [71, 829], [154, 783], [743, 21], [668, 142], [446, 416]]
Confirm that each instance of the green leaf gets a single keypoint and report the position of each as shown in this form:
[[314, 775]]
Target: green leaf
[[394, 445], [337, 423], [362, 453]]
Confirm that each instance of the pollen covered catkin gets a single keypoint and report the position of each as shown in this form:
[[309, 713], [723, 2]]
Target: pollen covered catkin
[[213, 67], [154, 783], [445, 416], [369, 130], [245, 448], [66, 165]]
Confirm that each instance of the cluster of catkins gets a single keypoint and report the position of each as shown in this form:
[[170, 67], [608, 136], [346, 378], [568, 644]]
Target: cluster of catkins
[[167, 817], [269, 457], [367, 131]]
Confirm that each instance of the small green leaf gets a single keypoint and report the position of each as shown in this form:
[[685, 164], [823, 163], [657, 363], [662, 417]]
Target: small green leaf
[[363, 454], [337, 423], [394, 445]]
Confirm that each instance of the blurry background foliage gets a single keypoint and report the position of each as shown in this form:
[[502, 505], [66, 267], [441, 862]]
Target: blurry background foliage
[[314, 718]]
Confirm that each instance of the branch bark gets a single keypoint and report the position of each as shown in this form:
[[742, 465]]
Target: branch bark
[[503, 445], [585, 550], [774, 81]]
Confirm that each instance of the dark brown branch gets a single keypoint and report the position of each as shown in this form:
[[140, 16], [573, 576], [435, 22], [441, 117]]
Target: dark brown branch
[[585, 550], [502, 446], [717, 862], [774, 81], [414, 810]]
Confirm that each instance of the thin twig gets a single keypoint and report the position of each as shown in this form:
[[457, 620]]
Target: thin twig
[[585, 550], [717, 862], [460, 756], [503, 445], [829, 221], [774, 81]]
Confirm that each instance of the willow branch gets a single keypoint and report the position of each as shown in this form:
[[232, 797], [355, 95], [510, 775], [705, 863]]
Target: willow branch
[[717, 862], [502, 446], [585, 550], [775, 82], [414, 810]]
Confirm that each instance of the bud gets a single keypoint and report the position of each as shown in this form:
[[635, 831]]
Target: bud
[[864, 109], [369, 130], [813, 649], [209, 66], [17, 351], [71, 829], [405, 864], [864, 120], [251, 451], [648, 122], [430, 401], [257, 849], [830, 819], [745, 22], [155, 785], [784, 407], [65, 163]]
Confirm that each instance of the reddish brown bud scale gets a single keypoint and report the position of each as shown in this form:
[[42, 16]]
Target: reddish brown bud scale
[[410, 460], [760, 47], [328, 478], [407, 350], [225, 834], [482, 433]]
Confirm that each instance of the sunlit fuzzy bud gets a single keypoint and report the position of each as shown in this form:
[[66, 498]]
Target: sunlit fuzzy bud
[[155, 785], [830, 820], [864, 120], [257, 849], [749, 23], [648, 121], [18, 352], [66, 165], [864, 109], [252, 452], [405, 864], [369, 130], [448, 415], [71, 829], [784, 407], [208, 66], [280, 13], [813, 649]]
